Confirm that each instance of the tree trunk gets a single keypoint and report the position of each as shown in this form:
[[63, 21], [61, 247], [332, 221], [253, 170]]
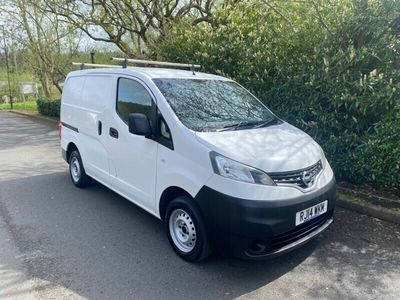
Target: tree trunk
[[45, 85]]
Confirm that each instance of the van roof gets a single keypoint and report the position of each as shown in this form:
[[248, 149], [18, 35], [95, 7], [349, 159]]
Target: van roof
[[151, 73]]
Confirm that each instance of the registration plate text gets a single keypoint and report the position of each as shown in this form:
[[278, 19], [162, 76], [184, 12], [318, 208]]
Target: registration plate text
[[311, 212]]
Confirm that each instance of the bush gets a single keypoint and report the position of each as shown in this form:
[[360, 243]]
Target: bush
[[328, 67], [49, 107]]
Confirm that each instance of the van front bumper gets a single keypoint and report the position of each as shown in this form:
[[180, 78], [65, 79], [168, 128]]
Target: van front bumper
[[258, 229]]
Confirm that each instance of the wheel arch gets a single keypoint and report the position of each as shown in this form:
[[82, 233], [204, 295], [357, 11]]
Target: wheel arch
[[70, 148], [167, 196]]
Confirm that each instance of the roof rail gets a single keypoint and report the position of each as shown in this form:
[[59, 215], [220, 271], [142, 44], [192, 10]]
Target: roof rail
[[83, 65], [125, 62]]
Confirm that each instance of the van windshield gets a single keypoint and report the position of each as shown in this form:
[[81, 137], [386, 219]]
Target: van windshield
[[214, 105]]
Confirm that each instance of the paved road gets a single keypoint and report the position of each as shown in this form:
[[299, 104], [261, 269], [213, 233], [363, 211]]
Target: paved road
[[57, 241]]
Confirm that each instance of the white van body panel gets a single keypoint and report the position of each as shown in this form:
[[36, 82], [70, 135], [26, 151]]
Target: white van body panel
[[134, 163], [271, 149], [187, 166], [84, 103]]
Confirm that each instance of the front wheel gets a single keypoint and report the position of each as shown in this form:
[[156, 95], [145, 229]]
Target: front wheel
[[186, 231]]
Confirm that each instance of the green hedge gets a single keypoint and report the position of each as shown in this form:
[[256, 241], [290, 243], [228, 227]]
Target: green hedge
[[49, 107], [331, 68]]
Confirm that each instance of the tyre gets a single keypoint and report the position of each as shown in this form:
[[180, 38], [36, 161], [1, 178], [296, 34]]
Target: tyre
[[186, 231], [77, 171]]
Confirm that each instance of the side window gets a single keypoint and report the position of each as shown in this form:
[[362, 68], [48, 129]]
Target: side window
[[73, 89], [96, 92], [164, 136], [132, 97], [164, 130]]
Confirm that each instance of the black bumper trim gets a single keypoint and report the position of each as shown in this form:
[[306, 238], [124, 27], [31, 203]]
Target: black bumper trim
[[233, 224], [297, 243], [70, 127], [64, 154], [299, 231]]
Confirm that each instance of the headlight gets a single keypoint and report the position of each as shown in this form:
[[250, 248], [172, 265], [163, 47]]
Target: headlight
[[323, 158], [234, 170]]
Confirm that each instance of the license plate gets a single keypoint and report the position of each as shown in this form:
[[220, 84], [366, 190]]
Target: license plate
[[310, 213]]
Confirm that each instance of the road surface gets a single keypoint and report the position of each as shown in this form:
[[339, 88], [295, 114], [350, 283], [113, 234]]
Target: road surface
[[57, 241]]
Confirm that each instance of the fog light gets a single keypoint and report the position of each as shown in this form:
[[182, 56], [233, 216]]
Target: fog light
[[257, 247]]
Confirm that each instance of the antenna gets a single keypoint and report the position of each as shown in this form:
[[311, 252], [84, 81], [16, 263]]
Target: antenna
[[124, 63]]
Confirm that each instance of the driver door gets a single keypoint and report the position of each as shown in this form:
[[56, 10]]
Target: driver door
[[133, 158]]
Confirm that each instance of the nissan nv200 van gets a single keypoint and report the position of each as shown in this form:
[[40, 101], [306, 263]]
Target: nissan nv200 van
[[201, 153]]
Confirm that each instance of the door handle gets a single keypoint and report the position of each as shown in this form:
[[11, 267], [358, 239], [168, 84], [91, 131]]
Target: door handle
[[113, 132], [99, 127]]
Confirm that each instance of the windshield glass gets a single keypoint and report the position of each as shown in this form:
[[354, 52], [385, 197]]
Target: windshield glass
[[207, 105]]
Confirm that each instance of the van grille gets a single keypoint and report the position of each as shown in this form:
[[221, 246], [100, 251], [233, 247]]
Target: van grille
[[303, 178]]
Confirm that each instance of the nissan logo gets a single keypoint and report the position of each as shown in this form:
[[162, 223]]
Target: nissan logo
[[306, 178]]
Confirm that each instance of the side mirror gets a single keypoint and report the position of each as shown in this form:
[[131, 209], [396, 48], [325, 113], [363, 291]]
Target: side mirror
[[139, 124]]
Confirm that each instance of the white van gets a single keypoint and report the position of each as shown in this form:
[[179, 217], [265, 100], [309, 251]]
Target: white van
[[201, 153]]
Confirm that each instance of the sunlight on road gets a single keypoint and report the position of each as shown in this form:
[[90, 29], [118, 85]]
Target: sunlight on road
[[14, 285], [24, 161], [30, 149]]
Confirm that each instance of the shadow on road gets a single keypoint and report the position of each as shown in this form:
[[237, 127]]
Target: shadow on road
[[101, 237], [361, 257], [96, 244]]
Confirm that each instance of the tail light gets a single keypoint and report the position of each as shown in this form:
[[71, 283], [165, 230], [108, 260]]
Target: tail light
[[59, 130]]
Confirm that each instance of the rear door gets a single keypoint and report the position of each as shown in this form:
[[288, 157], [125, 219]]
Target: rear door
[[95, 100], [132, 157]]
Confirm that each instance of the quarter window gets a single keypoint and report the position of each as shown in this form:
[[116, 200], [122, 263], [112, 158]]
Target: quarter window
[[132, 98], [164, 136], [164, 130]]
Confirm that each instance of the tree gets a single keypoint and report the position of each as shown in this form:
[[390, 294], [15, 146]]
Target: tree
[[51, 43], [129, 24], [328, 67]]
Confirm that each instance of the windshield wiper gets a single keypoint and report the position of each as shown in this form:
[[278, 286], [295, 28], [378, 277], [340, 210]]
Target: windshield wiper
[[253, 124], [236, 126], [269, 123], [231, 126]]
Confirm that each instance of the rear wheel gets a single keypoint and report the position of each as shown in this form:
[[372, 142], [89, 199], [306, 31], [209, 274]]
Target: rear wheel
[[77, 171], [186, 231]]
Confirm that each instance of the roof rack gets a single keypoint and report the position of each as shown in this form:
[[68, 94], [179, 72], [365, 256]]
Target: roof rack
[[83, 65], [125, 62]]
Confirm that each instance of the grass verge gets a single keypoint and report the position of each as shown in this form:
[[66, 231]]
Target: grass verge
[[27, 105]]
